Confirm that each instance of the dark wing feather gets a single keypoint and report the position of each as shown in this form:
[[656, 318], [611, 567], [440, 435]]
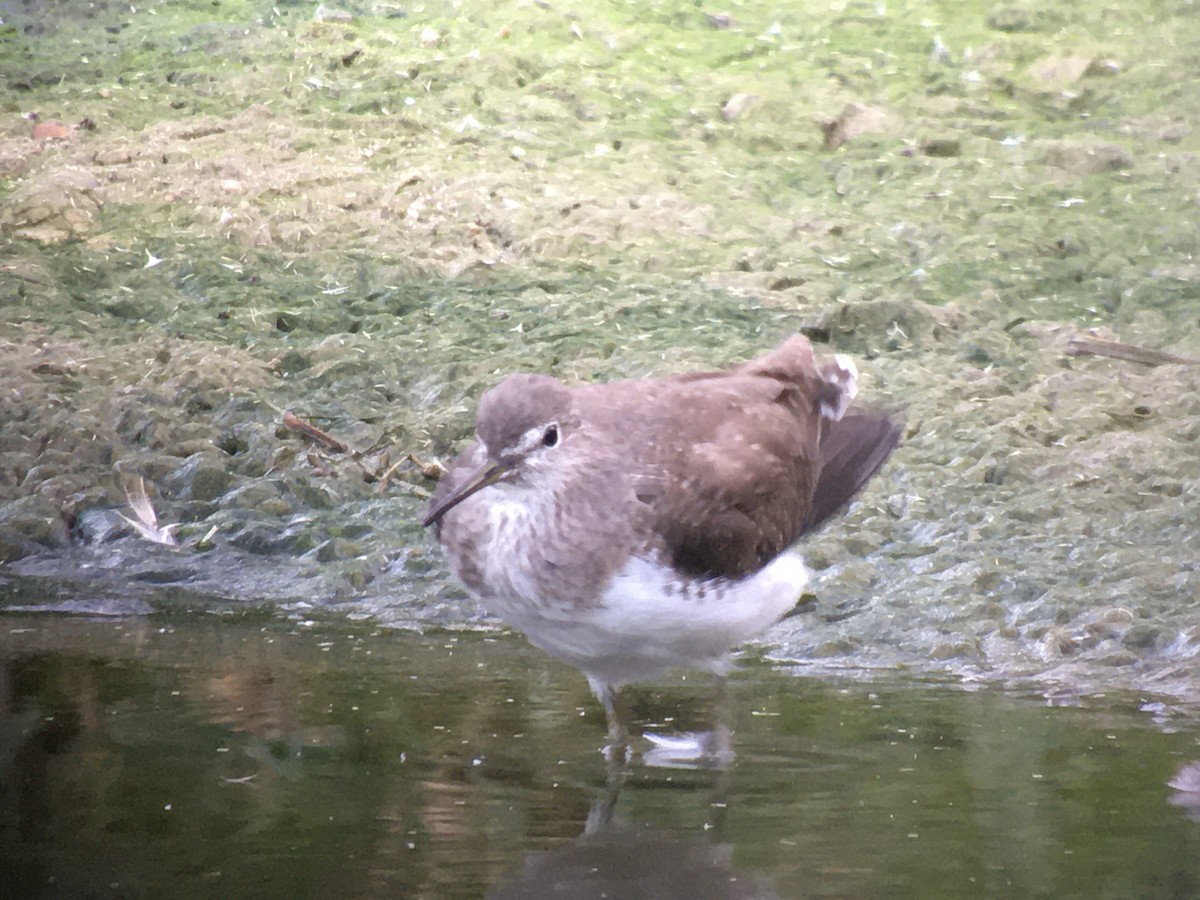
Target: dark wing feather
[[852, 450]]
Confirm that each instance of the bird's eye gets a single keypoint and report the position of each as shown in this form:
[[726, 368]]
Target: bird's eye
[[550, 435]]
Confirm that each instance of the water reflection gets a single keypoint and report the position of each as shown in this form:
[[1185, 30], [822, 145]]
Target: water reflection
[[614, 858], [1186, 796], [213, 755]]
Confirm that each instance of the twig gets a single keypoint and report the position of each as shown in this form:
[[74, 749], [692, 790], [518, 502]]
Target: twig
[[1089, 345], [433, 470], [312, 432]]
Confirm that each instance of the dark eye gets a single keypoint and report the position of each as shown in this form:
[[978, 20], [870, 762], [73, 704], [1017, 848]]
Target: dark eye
[[550, 435]]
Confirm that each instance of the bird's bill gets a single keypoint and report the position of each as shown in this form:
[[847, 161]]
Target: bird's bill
[[487, 474]]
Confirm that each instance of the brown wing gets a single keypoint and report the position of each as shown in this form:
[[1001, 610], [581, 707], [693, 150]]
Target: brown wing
[[733, 485], [754, 465], [746, 472]]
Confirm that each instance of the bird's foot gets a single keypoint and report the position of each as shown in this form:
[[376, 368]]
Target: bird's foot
[[617, 752], [690, 750]]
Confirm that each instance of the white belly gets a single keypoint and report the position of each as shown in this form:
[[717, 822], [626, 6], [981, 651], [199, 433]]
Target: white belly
[[647, 621]]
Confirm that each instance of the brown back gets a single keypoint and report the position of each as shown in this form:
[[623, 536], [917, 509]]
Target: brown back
[[750, 464]]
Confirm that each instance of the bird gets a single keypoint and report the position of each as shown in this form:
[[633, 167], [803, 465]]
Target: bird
[[637, 526]]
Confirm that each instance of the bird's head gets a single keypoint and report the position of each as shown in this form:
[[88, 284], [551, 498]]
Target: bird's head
[[521, 425]]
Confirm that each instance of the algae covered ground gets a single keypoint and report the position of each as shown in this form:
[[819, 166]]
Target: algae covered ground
[[365, 213]]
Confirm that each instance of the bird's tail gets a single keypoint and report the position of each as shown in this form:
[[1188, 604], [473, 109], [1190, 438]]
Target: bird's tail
[[853, 448]]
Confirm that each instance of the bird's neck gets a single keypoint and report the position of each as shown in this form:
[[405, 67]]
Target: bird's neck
[[537, 543]]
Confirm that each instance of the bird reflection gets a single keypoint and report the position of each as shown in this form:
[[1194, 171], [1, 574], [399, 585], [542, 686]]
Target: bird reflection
[[613, 858], [1186, 795]]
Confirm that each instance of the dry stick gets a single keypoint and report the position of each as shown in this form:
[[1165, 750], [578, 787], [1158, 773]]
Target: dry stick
[[312, 432], [428, 469], [386, 477], [1084, 345]]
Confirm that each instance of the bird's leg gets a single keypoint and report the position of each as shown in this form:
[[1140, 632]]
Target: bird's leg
[[604, 808], [719, 751], [708, 749], [618, 750], [719, 746]]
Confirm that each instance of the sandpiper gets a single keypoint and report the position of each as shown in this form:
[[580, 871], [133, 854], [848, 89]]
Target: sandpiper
[[638, 526]]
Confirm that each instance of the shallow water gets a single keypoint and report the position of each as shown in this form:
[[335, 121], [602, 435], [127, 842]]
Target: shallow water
[[227, 755]]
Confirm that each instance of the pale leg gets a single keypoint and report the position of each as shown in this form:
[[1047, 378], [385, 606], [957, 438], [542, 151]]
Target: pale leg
[[618, 749], [705, 749]]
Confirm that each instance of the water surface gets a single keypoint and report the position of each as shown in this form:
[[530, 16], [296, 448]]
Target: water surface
[[221, 755]]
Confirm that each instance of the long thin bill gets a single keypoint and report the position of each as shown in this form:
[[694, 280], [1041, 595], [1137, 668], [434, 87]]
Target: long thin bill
[[487, 474]]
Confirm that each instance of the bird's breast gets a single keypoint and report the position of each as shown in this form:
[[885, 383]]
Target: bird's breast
[[513, 549]]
